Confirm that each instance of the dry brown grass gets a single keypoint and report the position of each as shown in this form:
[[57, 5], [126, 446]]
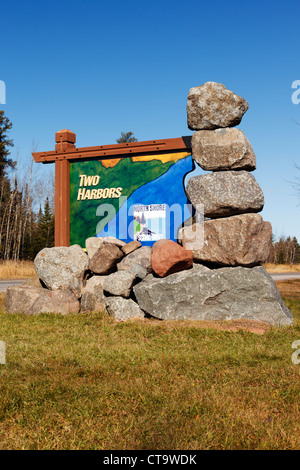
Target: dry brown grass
[[16, 269], [282, 268], [289, 288], [25, 269]]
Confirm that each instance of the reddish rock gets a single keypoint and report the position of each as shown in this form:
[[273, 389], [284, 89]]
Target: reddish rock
[[160, 243], [168, 257], [243, 240]]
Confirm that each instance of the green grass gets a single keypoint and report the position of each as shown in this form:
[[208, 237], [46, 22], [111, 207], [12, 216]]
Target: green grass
[[86, 382]]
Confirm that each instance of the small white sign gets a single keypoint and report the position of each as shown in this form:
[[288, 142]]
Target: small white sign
[[149, 222]]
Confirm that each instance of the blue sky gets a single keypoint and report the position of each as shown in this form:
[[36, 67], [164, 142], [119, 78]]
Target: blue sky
[[102, 67]]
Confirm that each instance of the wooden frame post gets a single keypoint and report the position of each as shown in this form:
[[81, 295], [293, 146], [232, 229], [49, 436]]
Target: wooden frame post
[[65, 140], [62, 203]]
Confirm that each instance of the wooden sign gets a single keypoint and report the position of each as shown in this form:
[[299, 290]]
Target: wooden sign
[[132, 191]]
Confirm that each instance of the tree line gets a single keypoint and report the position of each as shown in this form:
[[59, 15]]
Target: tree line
[[285, 251], [25, 227]]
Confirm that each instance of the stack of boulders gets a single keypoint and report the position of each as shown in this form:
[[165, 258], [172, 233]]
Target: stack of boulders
[[234, 234], [220, 278]]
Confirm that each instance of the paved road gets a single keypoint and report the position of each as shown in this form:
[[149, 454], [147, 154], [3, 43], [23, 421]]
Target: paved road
[[285, 276], [5, 283]]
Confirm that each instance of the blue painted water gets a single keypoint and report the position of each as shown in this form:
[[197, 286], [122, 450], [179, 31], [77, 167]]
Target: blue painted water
[[168, 189]]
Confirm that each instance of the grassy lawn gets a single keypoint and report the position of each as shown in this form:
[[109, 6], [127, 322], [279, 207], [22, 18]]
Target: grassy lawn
[[85, 382]]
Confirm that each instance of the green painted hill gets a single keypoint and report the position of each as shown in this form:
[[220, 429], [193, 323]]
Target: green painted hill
[[126, 174]]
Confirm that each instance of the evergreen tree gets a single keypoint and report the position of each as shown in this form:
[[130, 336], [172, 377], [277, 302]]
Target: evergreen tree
[[44, 229], [46, 226], [5, 143]]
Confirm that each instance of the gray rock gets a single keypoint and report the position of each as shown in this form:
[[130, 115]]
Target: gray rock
[[211, 106], [92, 244], [56, 301], [140, 256], [93, 298], [123, 309], [33, 281], [105, 259], [223, 149], [20, 299], [225, 193], [119, 283], [62, 267], [218, 294], [243, 240], [138, 270]]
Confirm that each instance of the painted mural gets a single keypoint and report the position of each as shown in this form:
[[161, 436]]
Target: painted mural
[[132, 198]]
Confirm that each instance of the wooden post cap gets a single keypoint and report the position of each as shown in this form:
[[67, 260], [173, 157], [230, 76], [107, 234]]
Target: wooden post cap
[[65, 140], [65, 136]]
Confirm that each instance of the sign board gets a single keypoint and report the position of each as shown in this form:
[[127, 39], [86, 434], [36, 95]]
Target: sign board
[[132, 191], [129, 198]]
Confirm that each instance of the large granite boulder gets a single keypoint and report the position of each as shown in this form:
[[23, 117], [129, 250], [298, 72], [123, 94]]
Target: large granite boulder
[[140, 256], [62, 268], [225, 193], [217, 294], [93, 298], [32, 300], [105, 259], [223, 149], [211, 105], [55, 301], [20, 299], [123, 309], [119, 283], [243, 240], [169, 257]]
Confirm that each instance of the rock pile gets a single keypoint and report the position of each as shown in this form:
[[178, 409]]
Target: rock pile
[[161, 282], [221, 280]]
